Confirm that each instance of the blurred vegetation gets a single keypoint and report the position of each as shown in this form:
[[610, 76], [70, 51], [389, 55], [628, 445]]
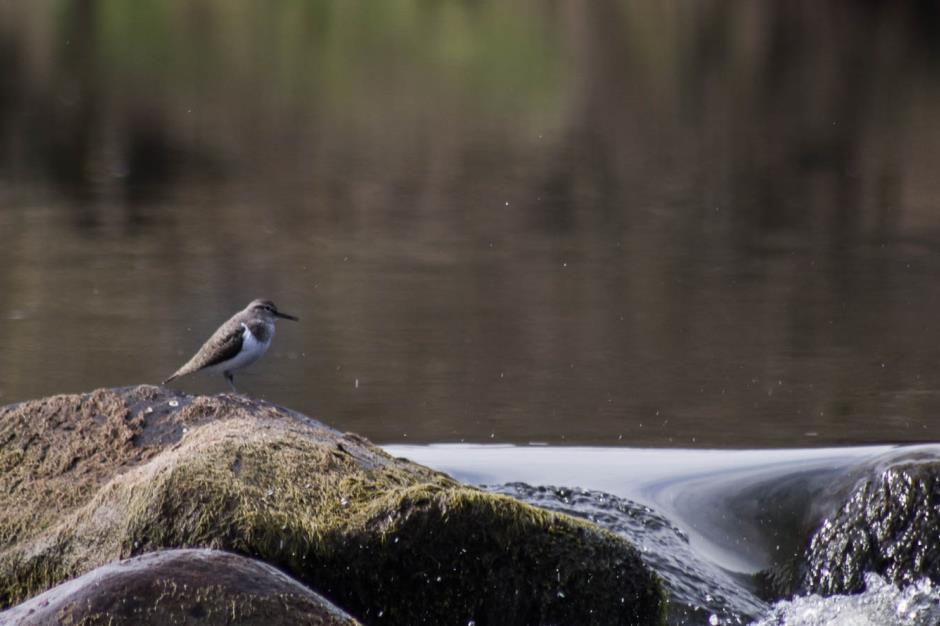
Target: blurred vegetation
[[333, 54]]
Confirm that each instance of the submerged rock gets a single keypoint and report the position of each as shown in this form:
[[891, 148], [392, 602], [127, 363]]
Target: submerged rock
[[89, 479], [180, 587]]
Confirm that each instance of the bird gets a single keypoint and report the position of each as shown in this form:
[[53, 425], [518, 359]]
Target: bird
[[237, 343]]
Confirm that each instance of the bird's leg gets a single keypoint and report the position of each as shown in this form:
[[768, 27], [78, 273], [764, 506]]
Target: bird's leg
[[231, 380]]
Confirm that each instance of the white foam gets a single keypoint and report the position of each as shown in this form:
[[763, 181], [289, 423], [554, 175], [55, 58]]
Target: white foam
[[881, 604]]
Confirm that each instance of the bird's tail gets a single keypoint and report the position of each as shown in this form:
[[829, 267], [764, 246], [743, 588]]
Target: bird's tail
[[183, 371]]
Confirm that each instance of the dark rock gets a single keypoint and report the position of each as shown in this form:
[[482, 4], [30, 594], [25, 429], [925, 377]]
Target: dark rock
[[204, 587], [885, 520], [89, 479]]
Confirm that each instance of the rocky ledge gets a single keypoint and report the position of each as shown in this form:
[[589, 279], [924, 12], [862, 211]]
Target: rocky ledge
[[90, 479]]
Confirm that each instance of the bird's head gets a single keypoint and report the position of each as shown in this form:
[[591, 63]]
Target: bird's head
[[268, 310]]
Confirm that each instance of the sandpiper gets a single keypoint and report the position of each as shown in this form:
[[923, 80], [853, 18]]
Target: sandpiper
[[237, 343]]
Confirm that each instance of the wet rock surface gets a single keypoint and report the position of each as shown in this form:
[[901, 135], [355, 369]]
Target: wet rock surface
[[89, 479], [880, 518], [206, 587], [888, 525]]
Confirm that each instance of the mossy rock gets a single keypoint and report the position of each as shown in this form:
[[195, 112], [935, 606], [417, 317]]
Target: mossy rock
[[89, 479], [205, 587]]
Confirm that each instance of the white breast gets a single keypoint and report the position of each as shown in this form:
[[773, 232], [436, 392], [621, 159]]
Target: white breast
[[251, 351]]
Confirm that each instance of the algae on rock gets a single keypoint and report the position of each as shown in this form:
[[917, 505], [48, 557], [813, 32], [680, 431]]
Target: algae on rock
[[85, 480]]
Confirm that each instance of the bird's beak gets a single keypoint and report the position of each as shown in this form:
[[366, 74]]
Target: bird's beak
[[285, 316]]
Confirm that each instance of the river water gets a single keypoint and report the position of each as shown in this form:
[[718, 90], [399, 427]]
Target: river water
[[707, 224]]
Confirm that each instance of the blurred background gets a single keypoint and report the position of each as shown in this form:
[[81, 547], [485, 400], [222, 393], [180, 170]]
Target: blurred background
[[620, 223]]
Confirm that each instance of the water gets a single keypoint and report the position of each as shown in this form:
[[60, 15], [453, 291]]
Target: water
[[881, 604], [704, 224]]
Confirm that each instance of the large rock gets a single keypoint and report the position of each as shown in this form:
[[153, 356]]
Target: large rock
[[89, 479], [204, 587]]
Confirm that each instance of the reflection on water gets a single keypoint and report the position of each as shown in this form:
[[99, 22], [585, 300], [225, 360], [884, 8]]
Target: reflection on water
[[667, 223]]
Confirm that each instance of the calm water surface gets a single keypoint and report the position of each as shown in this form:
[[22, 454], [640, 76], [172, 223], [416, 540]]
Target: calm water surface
[[650, 224]]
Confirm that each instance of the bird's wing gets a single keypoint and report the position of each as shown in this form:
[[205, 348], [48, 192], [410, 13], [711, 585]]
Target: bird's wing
[[223, 345]]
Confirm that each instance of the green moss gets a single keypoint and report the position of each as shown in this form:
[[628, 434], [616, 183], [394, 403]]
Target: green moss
[[382, 537]]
